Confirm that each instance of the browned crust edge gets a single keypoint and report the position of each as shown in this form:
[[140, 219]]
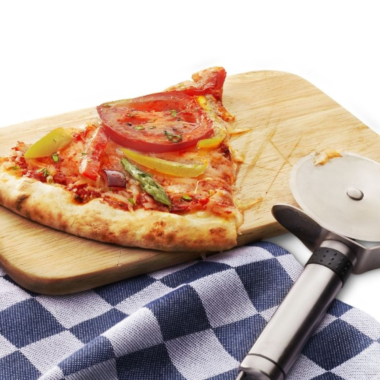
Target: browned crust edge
[[51, 205]]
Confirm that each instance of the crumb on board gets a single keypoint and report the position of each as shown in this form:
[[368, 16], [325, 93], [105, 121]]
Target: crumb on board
[[237, 156], [237, 131], [322, 157], [246, 204]]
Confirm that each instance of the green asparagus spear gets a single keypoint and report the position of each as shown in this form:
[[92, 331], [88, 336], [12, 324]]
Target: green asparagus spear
[[147, 183]]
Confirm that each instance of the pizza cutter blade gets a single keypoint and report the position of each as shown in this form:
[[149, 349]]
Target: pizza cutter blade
[[341, 206], [343, 195]]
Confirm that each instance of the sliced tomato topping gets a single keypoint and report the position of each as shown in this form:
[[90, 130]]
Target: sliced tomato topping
[[209, 81], [90, 164], [161, 122]]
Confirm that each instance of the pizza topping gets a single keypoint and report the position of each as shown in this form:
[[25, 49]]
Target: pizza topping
[[212, 142], [166, 121], [49, 144], [209, 81], [90, 164], [83, 193], [147, 183], [173, 138], [10, 166], [44, 172], [55, 157], [183, 194], [202, 101], [166, 167], [113, 178], [41, 171]]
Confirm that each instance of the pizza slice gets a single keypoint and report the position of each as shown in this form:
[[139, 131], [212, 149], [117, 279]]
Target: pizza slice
[[153, 172]]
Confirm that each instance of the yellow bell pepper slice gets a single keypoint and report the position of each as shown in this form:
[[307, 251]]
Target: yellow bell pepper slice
[[49, 144], [212, 142], [166, 167], [202, 101]]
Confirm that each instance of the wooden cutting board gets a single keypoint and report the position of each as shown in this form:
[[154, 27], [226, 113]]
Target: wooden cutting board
[[288, 118]]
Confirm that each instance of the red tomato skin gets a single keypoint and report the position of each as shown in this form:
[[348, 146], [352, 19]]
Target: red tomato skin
[[208, 81], [132, 123], [151, 147], [162, 122], [90, 164]]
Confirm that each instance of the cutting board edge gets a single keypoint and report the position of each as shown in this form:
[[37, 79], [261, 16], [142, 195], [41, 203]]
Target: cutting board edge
[[38, 282]]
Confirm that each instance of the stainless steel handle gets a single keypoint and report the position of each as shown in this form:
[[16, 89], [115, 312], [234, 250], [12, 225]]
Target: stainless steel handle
[[295, 320]]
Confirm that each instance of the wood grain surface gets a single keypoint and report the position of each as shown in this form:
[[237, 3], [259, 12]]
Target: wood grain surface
[[288, 118]]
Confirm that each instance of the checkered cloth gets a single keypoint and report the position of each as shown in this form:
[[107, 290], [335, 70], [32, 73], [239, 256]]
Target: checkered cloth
[[193, 321]]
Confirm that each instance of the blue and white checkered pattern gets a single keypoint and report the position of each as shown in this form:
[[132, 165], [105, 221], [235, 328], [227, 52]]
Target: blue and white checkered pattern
[[193, 321]]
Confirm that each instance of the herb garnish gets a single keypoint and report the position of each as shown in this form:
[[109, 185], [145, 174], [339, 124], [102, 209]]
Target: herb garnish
[[173, 138], [44, 172], [55, 157], [187, 197], [147, 183], [173, 113]]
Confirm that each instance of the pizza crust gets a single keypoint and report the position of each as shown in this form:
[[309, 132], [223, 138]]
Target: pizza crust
[[53, 206]]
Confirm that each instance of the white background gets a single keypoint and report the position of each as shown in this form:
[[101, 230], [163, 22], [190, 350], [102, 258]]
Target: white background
[[61, 56]]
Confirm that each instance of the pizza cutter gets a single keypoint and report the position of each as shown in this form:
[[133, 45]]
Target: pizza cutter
[[341, 211]]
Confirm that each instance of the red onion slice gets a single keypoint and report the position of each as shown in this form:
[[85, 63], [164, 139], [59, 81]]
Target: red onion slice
[[114, 178]]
